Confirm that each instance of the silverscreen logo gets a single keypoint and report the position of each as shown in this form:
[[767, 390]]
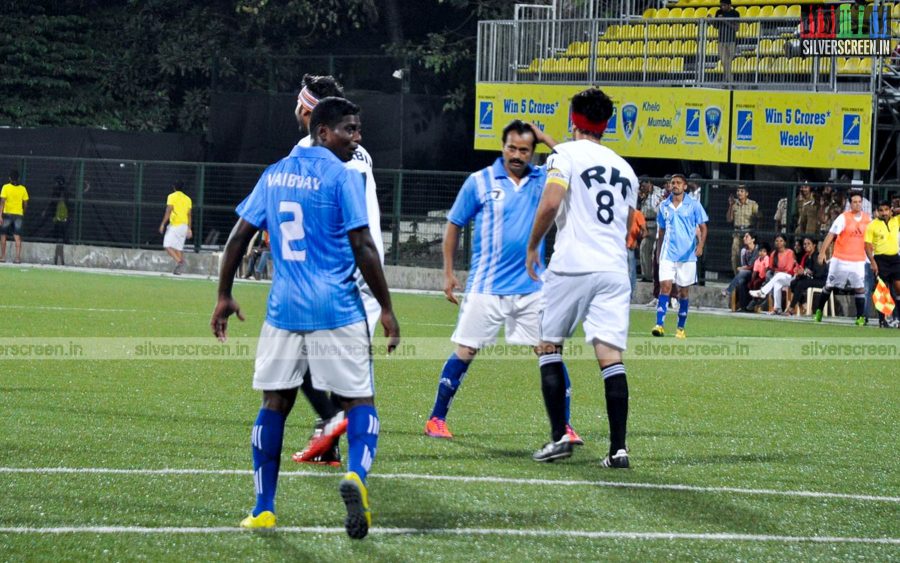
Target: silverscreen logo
[[846, 30]]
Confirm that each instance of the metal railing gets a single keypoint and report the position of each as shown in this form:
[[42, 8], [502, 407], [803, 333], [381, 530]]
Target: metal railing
[[671, 51], [121, 203]]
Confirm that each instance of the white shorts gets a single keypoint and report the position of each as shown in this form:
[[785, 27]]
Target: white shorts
[[683, 274], [481, 315], [339, 360], [600, 299], [175, 237], [373, 309], [841, 273]]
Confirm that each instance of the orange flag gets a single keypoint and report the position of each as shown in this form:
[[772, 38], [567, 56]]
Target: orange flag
[[882, 298]]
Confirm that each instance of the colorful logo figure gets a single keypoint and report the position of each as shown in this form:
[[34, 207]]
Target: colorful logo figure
[[851, 129], [629, 119], [692, 123], [713, 123], [845, 21], [486, 115], [613, 122], [744, 125]]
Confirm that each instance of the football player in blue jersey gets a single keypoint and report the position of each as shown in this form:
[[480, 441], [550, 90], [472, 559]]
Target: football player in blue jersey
[[501, 200], [314, 209], [682, 234], [323, 446]]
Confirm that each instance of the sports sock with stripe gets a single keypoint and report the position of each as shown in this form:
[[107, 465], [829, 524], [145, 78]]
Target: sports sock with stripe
[[451, 378], [265, 442], [568, 392], [616, 387], [362, 439], [682, 312], [553, 387], [661, 308]]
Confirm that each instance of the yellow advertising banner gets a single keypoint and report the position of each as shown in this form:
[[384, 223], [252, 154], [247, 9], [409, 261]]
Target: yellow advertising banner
[[678, 123], [812, 130]]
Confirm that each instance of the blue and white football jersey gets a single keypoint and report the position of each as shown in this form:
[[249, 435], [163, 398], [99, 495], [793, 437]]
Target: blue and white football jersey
[[504, 214], [681, 224], [308, 202]]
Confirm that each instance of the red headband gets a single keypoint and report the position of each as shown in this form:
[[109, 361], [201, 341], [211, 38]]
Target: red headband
[[580, 121]]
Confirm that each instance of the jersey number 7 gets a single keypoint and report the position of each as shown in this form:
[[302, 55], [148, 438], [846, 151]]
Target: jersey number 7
[[605, 198]]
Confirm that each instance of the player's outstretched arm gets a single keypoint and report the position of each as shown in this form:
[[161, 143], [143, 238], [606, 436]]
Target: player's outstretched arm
[[369, 264], [702, 240], [449, 246], [237, 243], [543, 220], [829, 238]]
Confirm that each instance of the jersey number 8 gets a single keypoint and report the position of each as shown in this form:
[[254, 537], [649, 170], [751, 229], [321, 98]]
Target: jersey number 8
[[605, 198]]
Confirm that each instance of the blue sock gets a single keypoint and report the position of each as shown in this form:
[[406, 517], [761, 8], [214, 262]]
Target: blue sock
[[661, 308], [362, 439], [682, 312], [451, 378], [568, 392], [265, 441]]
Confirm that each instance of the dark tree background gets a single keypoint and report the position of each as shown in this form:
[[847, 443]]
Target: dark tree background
[[151, 65]]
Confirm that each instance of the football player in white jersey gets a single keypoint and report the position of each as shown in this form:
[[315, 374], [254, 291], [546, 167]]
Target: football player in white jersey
[[323, 445], [591, 193]]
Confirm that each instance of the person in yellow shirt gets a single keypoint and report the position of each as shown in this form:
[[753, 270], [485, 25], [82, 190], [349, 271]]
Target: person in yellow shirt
[[882, 249], [13, 202], [178, 217]]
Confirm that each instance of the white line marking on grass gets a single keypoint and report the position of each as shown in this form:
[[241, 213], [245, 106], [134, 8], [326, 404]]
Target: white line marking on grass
[[458, 532], [460, 479], [91, 309]]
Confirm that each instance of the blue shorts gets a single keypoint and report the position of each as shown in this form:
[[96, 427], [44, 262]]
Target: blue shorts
[[12, 224]]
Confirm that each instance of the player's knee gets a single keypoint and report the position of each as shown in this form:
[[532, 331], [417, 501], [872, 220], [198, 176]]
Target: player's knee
[[466, 353], [281, 401], [351, 402]]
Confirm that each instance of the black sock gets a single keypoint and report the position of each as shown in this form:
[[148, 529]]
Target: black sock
[[320, 401], [616, 385], [860, 305], [823, 299], [553, 386]]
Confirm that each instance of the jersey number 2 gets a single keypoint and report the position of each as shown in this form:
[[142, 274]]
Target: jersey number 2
[[292, 231], [605, 198]]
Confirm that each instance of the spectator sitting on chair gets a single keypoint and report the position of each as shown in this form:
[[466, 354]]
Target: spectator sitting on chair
[[808, 273], [782, 267], [749, 254], [760, 269]]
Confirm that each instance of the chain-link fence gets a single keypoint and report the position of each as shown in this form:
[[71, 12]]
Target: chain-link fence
[[121, 203]]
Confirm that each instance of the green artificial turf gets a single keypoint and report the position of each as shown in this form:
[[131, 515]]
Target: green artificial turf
[[725, 427]]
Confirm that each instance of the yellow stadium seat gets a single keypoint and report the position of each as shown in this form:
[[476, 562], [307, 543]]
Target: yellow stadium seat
[[675, 13], [662, 13], [688, 13], [611, 32], [701, 12], [739, 65], [742, 11], [765, 46], [752, 64], [766, 12], [712, 47], [846, 66], [649, 13], [895, 12], [793, 11], [765, 65], [753, 12], [689, 30], [780, 11], [865, 65]]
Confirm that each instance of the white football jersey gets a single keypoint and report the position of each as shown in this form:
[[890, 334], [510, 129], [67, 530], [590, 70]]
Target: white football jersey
[[592, 222], [362, 162]]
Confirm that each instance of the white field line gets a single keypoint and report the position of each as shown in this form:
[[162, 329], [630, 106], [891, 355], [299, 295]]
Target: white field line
[[460, 532], [460, 479]]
